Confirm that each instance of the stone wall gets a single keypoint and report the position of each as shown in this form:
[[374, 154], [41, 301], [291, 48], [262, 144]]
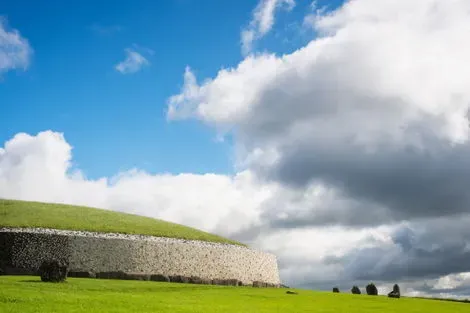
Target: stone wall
[[23, 250]]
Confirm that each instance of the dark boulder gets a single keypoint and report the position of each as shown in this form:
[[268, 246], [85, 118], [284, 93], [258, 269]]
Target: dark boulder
[[291, 292], [372, 290], [82, 274], [392, 294], [159, 277], [336, 290], [355, 290], [395, 293], [53, 271], [137, 276], [111, 275], [396, 289]]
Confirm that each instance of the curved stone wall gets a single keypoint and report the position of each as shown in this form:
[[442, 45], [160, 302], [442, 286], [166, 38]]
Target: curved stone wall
[[23, 250]]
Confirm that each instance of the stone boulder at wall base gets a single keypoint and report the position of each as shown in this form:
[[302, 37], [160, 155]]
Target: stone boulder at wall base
[[159, 277], [53, 271]]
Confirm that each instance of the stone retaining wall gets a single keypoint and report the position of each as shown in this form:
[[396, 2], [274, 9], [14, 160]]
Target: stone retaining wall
[[23, 250]]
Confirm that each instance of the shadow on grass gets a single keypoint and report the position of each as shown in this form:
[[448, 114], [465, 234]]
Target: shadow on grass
[[39, 281]]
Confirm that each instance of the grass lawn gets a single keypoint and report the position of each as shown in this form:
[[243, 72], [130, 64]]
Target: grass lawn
[[27, 294], [15, 213]]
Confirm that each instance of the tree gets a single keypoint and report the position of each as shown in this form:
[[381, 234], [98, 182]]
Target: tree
[[371, 290]]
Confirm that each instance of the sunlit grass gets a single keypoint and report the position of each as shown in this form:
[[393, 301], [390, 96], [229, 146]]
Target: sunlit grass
[[27, 294]]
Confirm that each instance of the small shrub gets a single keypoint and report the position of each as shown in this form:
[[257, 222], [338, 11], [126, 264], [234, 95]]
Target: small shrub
[[355, 290], [53, 271], [371, 290], [336, 290]]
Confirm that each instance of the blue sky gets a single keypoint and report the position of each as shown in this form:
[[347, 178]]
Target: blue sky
[[114, 121]]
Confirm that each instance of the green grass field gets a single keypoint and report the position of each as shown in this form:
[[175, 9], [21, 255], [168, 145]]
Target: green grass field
[[15, 213], [27, 294]]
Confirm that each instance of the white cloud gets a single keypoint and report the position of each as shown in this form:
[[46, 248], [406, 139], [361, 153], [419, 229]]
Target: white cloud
[[133, 63], [373, 113], [15, 51], [40, 168], [375, 104], [263, 21]]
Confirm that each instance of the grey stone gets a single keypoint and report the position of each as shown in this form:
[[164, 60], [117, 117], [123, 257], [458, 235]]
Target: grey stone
[[179, 279], [82, 274], [395, 293], [160, 277]]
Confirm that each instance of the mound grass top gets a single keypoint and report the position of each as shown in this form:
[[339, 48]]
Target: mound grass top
[[25, 214]]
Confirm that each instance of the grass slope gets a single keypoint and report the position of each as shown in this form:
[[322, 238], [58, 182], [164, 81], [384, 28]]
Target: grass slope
[[15, 213], [28, 294]]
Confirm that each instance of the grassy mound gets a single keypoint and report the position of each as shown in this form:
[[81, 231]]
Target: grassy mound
[[28, 294], [15, 213]]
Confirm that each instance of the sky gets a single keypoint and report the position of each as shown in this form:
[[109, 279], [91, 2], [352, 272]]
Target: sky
[[332, 134]]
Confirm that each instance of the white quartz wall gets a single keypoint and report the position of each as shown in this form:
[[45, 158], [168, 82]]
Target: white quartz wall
[[94, 252]]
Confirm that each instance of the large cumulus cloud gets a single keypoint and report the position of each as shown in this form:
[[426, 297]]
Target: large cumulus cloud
[[375, 108], [366, 128]]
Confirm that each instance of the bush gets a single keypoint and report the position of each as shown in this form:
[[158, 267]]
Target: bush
[[371, 290], [336, 290], [355, 290], [53, 271]]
